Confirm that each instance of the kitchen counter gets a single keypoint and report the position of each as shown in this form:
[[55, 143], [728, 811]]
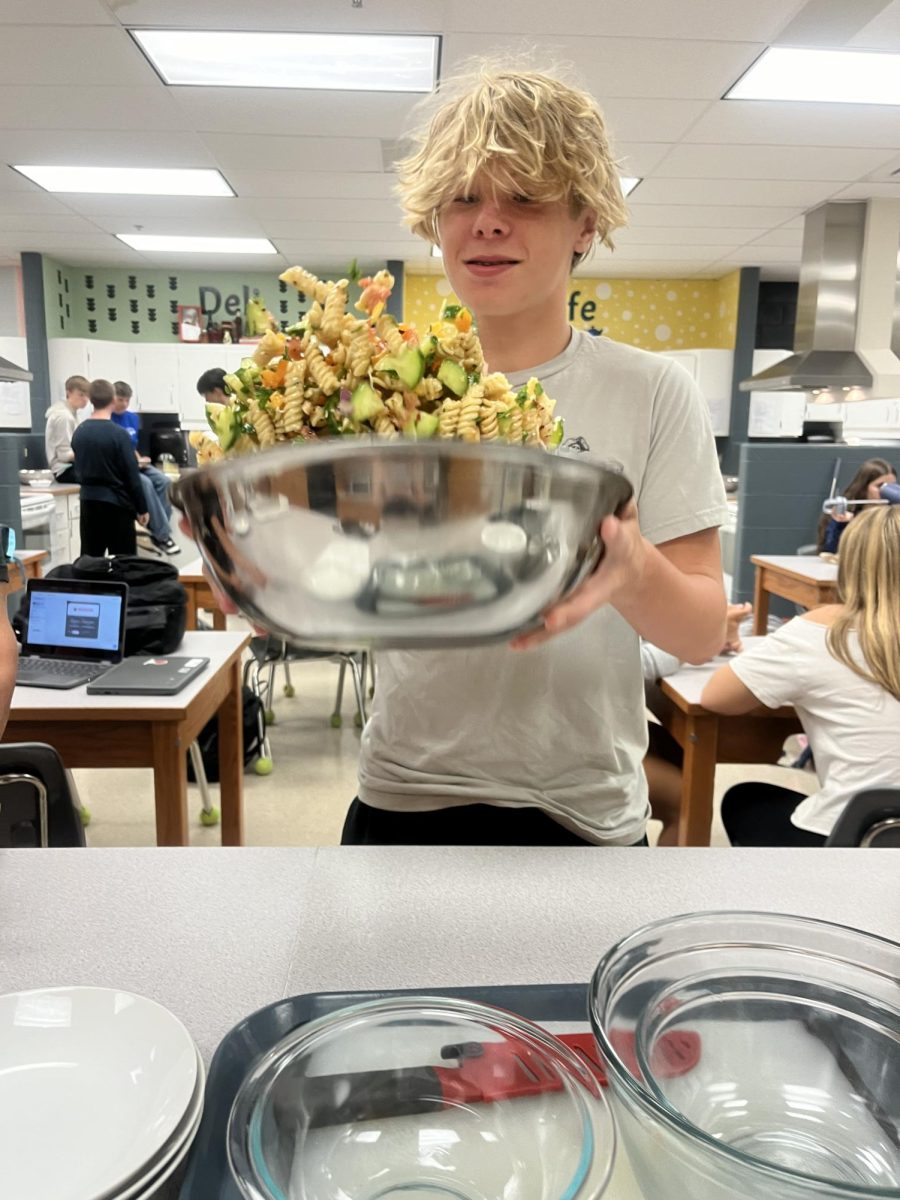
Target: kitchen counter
[[53, 489], [216, 934]]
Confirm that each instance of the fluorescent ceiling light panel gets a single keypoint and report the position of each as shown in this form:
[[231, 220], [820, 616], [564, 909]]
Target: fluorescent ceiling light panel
[[836, 76], [196, 245], [342, 61], [132, 181], [629, 183]]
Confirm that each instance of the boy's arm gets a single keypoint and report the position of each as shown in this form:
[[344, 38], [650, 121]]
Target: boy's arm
[[9, 659], [671, 594]]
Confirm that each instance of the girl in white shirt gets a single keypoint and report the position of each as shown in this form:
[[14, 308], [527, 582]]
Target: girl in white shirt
[[839, 666]]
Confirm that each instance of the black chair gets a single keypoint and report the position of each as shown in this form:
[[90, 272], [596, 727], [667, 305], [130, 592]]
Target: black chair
[[37, 804], [871, 819]]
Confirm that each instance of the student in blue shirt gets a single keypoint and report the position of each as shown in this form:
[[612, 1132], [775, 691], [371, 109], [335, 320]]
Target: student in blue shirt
[[866, 484], [153, 481]]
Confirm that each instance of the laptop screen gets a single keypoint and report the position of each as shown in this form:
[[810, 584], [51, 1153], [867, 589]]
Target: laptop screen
[[76, 621]]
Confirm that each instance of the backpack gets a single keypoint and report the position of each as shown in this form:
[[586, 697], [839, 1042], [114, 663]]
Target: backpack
[[208, 738], [156, 613]]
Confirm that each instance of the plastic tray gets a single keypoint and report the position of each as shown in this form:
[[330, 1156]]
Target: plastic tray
[[208, 1175]]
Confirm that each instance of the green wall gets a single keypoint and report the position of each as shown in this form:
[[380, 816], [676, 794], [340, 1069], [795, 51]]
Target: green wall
[[142, 306]]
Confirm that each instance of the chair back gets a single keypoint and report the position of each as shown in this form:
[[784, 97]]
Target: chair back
[[871, 820], [37, 807]]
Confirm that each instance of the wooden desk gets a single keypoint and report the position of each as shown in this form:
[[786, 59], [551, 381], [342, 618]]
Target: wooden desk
[[708, 738], [31, 560], [200, 595], [151, 731], [803, 578]]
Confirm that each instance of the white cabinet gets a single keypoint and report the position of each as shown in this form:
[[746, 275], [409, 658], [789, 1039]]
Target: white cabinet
[[67, 356], [110, 360], [192, 362], [713, 372], [775, 414], [155, 380]]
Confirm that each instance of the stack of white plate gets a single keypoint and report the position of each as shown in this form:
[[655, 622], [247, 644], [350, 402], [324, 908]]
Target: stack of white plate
[[101, 1094]]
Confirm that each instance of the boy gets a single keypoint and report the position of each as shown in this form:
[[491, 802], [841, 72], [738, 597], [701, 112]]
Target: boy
[[515, 180], [153, 481], [111, 490], [61, 424]]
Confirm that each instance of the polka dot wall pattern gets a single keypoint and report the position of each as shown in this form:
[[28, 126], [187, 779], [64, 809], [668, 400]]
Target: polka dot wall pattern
[[656, 314]]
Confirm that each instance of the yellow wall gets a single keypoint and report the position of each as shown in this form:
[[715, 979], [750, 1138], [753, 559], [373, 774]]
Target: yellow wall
[[658, 314]]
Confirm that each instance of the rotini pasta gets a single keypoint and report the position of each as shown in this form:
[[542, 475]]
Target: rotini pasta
[[339, 374]]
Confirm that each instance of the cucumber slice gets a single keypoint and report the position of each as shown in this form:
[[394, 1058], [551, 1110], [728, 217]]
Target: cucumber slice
[[453, 376], [365, 403], [556, 436], [225, 422], [409, 366], [425, 425]]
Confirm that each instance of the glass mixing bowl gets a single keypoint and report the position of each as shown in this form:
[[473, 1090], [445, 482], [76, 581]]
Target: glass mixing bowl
[[754, 1055], [421, 1099], [353, 543]]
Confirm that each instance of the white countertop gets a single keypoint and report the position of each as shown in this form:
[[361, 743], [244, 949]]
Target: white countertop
[[215, 934]]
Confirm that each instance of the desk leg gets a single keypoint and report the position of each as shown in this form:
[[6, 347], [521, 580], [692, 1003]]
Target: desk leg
[[170, 784], [218, 620], [699, 773], [231, 761], [191, 615], [760, 606]]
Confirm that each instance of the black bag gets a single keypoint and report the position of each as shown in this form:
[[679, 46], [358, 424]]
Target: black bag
[[208, 739], [156, 614]]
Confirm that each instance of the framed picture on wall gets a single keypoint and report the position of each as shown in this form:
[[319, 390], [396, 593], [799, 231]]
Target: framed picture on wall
[[190, 323]]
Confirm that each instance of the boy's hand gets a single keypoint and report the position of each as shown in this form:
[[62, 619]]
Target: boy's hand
[[619, 572], [736, 615]]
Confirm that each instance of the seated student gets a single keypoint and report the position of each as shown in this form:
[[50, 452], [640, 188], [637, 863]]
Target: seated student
[[153, 481], [865, 485], [61, 424], [840, 668], [9, 650], [211, 386], [112, 496], [664, 758]]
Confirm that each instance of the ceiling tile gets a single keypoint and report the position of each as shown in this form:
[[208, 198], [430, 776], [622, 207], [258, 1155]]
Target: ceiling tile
[[225, 222], [57, 243], [138, 209], [882, 32], [327, 114], [52, 107], [771, 162], [306, 249], [55, 12], [240, 150], [778, 192], [777, 124], [702, 215], [44, 223], [650, 120], [779, 237], [367, 231], [364, 185], [728, 20], [754, 256], [606, 65], [30, 202], [712, 248], [864, 191], [103, 148], [67, 58], [700, 235], [640, 158], [344, 208]]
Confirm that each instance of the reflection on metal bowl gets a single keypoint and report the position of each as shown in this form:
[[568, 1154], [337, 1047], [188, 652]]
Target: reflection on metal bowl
[[399, 544]]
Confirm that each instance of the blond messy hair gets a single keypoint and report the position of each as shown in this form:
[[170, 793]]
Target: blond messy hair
[[526, 132], [868, 570]]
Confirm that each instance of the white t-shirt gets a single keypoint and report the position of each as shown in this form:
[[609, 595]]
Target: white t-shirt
[[853, 725], [562, 726]]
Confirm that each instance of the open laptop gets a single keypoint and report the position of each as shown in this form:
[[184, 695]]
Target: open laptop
[[76, 631], [163, 675]]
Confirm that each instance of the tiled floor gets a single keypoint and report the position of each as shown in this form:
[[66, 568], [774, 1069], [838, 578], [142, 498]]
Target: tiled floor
[[303, 801]]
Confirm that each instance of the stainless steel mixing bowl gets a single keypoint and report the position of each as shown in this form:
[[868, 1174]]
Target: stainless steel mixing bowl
[[364, 544]]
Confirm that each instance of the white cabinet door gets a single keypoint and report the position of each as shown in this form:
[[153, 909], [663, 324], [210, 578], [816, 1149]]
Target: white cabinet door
[[67, 356], [712, 372], [111, 360], [192, 362], [775, 414], [155, 377]]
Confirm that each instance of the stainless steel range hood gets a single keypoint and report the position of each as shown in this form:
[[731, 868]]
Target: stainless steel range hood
[[847, 336], [10, 373]]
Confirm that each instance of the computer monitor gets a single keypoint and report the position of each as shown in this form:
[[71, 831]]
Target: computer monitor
[[160, 433]]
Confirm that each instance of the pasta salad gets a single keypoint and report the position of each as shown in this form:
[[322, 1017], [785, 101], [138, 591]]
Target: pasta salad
[[338, 374]]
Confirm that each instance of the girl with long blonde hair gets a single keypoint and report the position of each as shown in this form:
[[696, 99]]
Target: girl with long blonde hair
[[839, 666]]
